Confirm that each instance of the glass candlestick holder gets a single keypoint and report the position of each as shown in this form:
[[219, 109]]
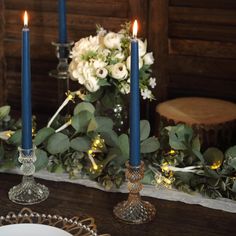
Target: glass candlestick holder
[[28, 192], [62, 53], [134, 210]]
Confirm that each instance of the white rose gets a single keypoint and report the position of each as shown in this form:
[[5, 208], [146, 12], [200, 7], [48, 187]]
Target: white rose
[[91, 84], [112, 40], [99, 64], [101, 73], [76, 71], [81, 79], [124, 88], [148, 59], [84, 46], [82, 72], [87, 70], [105, 52], [120, 56], [128, 63], [142, 46], [119, 71], [71, 69]]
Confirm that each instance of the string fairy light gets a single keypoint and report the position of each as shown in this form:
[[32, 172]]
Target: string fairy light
[[96, 146], [161, 181], [5, 135], [216, 165], [70, 97], [68, 123]]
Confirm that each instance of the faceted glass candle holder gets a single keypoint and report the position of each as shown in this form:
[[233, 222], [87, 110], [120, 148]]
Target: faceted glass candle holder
[[62, 54], [134, 210], [28, 192]]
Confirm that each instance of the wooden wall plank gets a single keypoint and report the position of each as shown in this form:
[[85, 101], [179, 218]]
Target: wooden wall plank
[[43, 19], [158, 42], [202, 48], [190, 85], [103, 8], [223, 4], [202, 15], [2, 56], [211, 67], [202, 31]]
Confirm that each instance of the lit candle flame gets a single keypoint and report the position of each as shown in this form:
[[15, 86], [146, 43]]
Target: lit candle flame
[[26, 18], [135, 28]]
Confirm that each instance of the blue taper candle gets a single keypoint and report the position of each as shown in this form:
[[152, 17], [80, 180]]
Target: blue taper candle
[[62, 21], [26, 88], [134, 101]]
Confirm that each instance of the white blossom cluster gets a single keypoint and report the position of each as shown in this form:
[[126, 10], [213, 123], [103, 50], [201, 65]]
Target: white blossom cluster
[[104, 60]]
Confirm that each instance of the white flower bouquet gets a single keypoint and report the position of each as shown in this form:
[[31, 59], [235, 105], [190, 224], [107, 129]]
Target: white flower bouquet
[[102, 63]]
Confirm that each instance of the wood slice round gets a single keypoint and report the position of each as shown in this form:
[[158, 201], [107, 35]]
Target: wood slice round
[[213, 119]]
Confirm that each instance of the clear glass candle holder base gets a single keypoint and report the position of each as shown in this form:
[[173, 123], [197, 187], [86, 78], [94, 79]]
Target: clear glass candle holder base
[[63, 75], [28, 192], [134, 210]]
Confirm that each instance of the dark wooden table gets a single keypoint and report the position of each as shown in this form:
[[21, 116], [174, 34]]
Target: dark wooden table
[[173, 218]]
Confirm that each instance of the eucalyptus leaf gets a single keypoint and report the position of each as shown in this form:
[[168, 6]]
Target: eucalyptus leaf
[[4, 111], [92, 126], [110, 138], [42, 135], [144, 129], [15, 139], [150, 145], [107, 160], [196, 144], [199, 155], [8, 165], [232, 163], [148, 177], [1, 152], [58, 143], [80, 121], [213, 155], [42, 159], [92, 97], [84, 106], [75, 122], [81, 144], [108, 100], [116, 155], [180, 136], [124, 145], [59, 169], [104, 124], [185, 177], [103, 82], [231, 153], [211, 173], [234, 187]]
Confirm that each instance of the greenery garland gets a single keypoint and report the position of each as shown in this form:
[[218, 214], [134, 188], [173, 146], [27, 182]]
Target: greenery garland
[[87, 145]]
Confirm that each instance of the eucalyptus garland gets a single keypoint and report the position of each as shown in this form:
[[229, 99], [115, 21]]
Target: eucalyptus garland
[[85, 144]]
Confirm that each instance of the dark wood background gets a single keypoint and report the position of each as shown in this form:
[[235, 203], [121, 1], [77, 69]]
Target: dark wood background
[[194, 43]]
